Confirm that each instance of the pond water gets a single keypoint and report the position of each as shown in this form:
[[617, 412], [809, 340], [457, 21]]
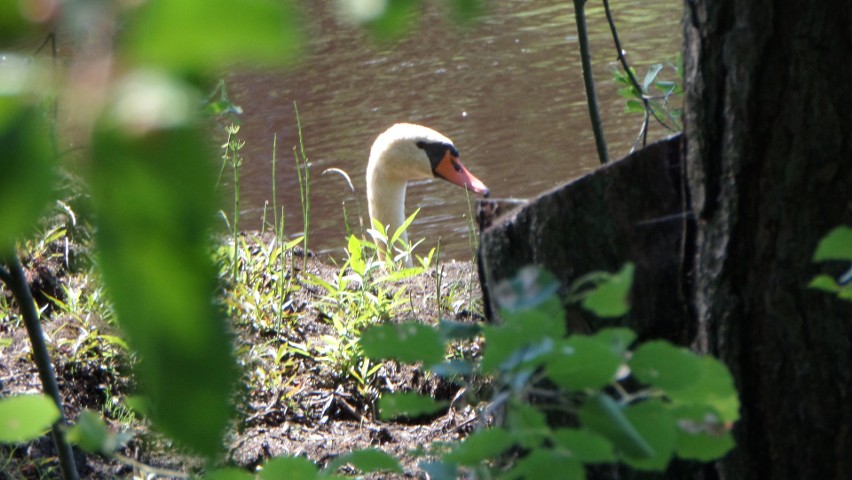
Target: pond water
[[508, 90]]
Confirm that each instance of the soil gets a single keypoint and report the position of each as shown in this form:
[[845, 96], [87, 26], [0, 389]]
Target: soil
[[314, 413]]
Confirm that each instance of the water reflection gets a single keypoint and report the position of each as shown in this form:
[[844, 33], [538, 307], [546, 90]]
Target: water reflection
[[508, 91]]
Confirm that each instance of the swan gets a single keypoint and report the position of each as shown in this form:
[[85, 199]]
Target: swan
[[407, 152]]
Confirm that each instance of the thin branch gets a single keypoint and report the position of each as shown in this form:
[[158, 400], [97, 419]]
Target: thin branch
[[16, 280], [643, 133], [589, 81]]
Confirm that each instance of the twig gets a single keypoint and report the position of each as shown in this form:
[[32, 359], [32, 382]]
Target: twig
[[589, 81], [160, 472], [643, 133], [16, 280]]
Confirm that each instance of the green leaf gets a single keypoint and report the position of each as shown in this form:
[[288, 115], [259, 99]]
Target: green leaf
[[663, 365], [479, 446], [452, 368], [92, 434], [213, 34], [584, 445], [714, 387], [603, 416], [527, 424], [367, 461], [409, 404], [289, 468], [617, 339], [402, 228], [836, 245], [407, 342], [450, 330], [26, 417], [825, 283], [655, 424], [701, 433], [651, 76], [581, 363], [545, 463], [28, 168], [152, 186], [610, 298]]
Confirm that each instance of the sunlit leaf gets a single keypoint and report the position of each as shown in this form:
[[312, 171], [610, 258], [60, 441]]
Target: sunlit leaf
[[210, 34], [701, 433], [26, 417], [152, 184], [602, 415], [663, 365], [584, 445], [407, 342], [583, 363], [480, 446], [713, 387], [836, 245], [611, 297], [409, 404], [367, 461], [27, 166], [655, 424], [290, 468]]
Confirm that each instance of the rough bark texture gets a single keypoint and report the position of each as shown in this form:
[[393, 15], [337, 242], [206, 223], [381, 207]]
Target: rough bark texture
[[769, 158], [631, 210]]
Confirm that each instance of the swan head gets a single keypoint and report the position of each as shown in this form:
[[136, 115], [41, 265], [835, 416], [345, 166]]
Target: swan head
[[407, 152], [413, 152]]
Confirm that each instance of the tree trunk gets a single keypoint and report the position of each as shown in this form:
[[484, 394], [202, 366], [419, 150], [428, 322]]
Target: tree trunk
[[769, 160]]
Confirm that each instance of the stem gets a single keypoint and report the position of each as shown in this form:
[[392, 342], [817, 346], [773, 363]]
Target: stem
[[16, 280], [304, 186], [235, 164], [589, 81]]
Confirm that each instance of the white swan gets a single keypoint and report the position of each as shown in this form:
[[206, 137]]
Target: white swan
[[410, 152]]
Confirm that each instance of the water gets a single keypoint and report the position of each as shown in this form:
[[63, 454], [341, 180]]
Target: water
[[508, 91]]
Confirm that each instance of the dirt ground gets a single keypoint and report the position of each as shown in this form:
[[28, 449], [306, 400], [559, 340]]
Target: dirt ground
[[315, 413]]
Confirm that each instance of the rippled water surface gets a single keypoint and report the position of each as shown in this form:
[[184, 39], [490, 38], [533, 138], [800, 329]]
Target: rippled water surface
[[508, 90]]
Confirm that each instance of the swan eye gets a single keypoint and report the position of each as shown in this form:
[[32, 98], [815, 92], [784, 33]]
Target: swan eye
[[436, 152]]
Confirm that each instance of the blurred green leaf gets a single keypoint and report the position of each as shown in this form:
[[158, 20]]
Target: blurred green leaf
[[663, 365], [701, 434], [27, 167], [451, 368], [617, 339], [450, 330], [367, 461], [92, 434], [386, 19], [602, 415], [527, 424], [407, 342], [611, 297], [713, 387], [655, 424], [152, 184], [479, 446], [584, 445], [825, 283], [583, 363], [26, 417], [836, 245], [467, 10], [206, 35], [290, 468], [547, 463], [409, 404]]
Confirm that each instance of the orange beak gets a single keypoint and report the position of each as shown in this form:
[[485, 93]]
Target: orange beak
[[451, 170]]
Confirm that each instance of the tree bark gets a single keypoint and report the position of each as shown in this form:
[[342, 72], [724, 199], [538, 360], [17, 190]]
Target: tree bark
[[769, 161]]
